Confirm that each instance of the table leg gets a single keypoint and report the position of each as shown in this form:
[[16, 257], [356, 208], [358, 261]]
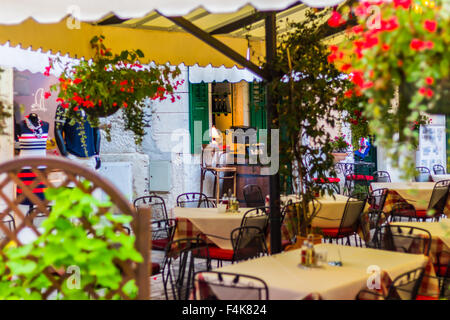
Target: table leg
[[217, 187]]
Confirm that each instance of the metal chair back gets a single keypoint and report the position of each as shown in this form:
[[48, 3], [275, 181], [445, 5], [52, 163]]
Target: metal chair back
[[215, 285], [253, 196], [157, 204]]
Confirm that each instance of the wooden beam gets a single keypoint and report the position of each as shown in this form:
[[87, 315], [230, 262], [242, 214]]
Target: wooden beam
[[218, 45], [245, 21], [238, 24], [111, 20]]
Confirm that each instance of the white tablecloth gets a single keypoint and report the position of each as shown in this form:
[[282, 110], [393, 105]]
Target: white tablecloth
[[288, 281], [416, 193], [440, 177], [210, 221], [331, 211]]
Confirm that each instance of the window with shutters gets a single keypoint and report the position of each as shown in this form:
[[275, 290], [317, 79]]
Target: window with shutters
[[222, 105]]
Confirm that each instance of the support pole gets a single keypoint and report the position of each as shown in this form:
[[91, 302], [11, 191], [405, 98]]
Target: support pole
[[272, 123]]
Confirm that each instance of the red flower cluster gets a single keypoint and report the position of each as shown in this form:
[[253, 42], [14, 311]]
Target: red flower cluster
[[419, 45], [430, 25], [336, 20], [405, 4], [426, 92]]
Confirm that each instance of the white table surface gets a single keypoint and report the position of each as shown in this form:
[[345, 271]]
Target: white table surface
[[286, 280], [440, 177], [210, 221], [331, 211]]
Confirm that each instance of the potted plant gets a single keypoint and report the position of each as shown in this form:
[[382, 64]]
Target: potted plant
[[340, 148], [111, 82], [306, 88], [399, 60]]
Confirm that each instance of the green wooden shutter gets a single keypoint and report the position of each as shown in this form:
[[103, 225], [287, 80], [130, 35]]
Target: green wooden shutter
[[198, 115], [258, 117]]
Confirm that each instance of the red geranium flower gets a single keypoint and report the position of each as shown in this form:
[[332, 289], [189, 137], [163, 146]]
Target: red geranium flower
[[47, 95], [385, 47], [346, 66], [430, 25], [402, 3], [348, 93], [357, 78], [423, 91], [429, 80], [417, 44], [77, 81], [429, 44], [335, 20]]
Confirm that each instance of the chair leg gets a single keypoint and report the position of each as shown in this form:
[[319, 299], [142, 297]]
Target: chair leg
[[202, 176]]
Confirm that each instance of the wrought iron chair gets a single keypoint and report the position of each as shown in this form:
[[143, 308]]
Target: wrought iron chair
[[381, 176], [72, 175], [162, 233], [208, 285], [253, 196], [180, 266], [438, 169], [194, 200], [436, 205], [248, 243], [376, 200], [36, 213], [405, 287], [424, 174], [157, 204], [8, 220], [405, 239], [350, 221], [253, 218], [442, 267]]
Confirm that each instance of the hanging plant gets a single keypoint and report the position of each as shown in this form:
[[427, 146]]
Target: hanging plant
[[111, 82], [399, 60]]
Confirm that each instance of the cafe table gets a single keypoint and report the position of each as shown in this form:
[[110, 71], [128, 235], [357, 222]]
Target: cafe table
[[329, 216], [416, 193], [209, 221], [440, 235], [287, 280]]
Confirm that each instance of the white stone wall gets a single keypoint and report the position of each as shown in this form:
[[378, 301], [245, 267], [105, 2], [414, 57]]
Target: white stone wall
[[167, 139], [7, 140]]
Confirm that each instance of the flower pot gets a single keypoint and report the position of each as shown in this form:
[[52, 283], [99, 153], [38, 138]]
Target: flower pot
[[100, 112], [317, 239], [339, 156]]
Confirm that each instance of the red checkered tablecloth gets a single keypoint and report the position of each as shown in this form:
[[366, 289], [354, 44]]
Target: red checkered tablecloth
[[393, 198], [185, 229]]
